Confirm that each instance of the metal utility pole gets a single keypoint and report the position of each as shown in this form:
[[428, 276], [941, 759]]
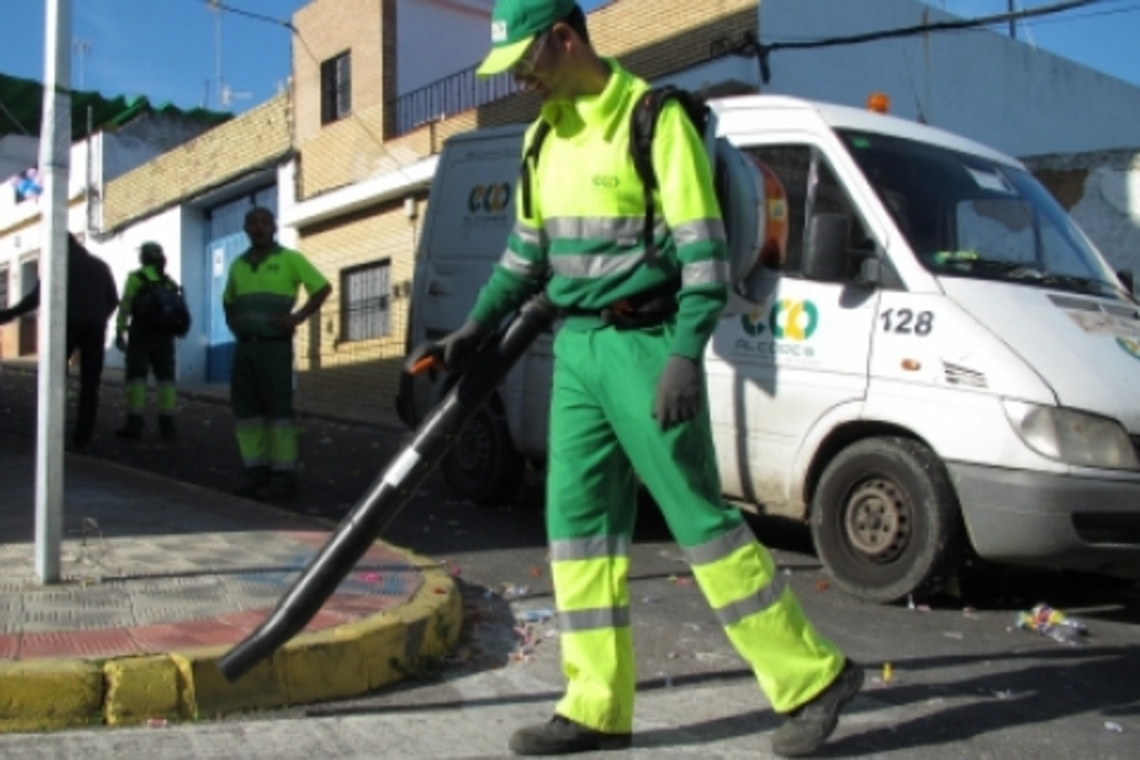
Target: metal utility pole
[[215, 8], [82, 49], [55, 158], [1012, 5]]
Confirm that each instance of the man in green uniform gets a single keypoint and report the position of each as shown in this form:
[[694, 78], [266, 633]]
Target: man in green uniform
[[629, 389], [147, 347], [258, 300]]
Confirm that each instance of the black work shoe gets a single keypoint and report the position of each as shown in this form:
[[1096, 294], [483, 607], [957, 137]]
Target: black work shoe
[[809, 725], [132, 430], [278, 489], [255, 478], [562, 736], [166, 427]]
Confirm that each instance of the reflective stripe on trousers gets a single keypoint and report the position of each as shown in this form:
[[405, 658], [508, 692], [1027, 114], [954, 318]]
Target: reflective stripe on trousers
[[601, 432]]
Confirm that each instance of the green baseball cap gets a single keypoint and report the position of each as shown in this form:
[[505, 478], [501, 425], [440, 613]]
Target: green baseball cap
[[514, 24]]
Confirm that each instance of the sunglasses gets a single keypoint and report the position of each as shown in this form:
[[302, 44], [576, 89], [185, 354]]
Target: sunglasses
[[524, 67]]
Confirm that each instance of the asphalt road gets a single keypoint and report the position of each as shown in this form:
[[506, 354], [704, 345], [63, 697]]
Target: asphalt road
[[964, 680]]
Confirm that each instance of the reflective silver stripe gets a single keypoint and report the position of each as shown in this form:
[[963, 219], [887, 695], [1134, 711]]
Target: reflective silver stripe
[[251, 422], [720, 547], [601, 265], [577, 621], [258, 461], [704, 273], [626, 230], [282, 424], [595, 547], [528, 235], [699, 231], [516, 264], [762, 600]]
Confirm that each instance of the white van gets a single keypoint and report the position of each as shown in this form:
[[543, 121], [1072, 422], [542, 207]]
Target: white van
[[923, 354]]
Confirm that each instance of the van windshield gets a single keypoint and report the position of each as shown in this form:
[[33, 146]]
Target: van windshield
[[968, 216]]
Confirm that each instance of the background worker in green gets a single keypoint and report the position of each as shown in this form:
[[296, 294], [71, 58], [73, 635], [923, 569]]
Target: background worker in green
[[628, 390], [258, 300], [146, 348]]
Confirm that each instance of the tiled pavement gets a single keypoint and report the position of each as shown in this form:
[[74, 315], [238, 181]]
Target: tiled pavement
[[152, 567]]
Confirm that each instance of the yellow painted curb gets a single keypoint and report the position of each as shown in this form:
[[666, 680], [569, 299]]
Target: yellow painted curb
[[36, 695], [345, 661], [139, 689]]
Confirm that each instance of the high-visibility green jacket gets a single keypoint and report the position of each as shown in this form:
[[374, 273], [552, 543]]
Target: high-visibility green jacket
[[587, 215], [256, 295]]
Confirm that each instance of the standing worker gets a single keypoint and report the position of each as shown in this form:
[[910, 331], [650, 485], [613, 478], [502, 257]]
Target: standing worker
[[147, 344], [258, 300], [629, 389], [91, 300]]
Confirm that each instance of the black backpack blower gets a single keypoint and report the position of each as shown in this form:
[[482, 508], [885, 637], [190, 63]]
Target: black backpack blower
[[392, 489]]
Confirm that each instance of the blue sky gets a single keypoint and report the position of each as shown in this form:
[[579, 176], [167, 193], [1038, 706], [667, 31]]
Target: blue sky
[[165, 49]]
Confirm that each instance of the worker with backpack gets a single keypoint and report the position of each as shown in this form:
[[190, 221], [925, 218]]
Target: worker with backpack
[[641, 274], [152, 314]]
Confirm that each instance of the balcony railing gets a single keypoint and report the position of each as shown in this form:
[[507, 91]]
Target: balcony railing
[[459, 92]]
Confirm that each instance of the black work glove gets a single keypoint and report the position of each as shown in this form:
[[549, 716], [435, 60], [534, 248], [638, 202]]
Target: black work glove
[[678, 392], [120, 341], [453, 352]]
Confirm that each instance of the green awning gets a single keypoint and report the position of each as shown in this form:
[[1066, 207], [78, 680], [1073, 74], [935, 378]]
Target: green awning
[[22, 102]]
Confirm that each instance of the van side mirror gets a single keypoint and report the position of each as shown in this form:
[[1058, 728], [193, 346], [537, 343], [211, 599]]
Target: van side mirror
[[825, 250]]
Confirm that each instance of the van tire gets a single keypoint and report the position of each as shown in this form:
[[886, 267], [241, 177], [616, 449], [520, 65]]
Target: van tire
[[885, 520], [484, 466]]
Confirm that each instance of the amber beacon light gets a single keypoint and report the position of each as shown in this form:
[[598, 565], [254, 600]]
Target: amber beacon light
[[879, 102]]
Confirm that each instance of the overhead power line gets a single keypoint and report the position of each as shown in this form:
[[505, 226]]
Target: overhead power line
[[764, 51]]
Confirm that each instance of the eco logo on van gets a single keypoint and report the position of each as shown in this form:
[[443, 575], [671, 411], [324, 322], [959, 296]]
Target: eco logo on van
[[1132, 347], [793, 320], [491, 199], [788, 320]]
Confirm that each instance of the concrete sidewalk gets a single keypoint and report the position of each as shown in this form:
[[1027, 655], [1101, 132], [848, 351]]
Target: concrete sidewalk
[[160, 579]]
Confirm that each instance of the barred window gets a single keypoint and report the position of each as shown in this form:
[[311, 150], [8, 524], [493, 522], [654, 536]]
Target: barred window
[[336, 88], [366, 297]]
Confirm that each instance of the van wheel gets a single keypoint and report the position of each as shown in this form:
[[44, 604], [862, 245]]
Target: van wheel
[[484, 466], [885, 520]]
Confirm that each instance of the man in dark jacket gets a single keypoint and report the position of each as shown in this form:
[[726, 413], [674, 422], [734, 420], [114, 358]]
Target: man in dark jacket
[[92, 298]]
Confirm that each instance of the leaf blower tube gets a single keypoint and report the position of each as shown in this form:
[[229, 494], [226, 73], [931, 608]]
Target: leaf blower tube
[[388, 494]]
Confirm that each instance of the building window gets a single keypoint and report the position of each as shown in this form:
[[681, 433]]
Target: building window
[[4, 288], [366, 298], [336, 88]]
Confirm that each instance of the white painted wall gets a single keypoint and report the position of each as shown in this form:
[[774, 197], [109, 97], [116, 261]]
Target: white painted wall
[[438, 38], [982, 84], [181, 233]]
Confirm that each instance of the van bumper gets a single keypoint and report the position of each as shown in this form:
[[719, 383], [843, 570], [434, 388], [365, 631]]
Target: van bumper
[[1045, 519]]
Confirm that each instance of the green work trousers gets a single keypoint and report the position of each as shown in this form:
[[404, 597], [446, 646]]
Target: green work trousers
[[261, 393], [148, 352], [602, 437]]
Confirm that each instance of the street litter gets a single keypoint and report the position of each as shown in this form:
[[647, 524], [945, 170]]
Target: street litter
[[1115, 728], [1052, 623], [534, 616]]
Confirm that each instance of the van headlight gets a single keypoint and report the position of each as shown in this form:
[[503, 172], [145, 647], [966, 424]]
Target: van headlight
[[1072, 437]]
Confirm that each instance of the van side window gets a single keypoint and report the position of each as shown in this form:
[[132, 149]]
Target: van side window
[[826, 195], [799, 183], [786, 168]]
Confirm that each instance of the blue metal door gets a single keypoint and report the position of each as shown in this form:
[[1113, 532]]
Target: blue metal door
[[227, 241], [220, 353]]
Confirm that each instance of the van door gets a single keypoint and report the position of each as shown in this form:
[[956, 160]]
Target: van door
[[472, 212], [800, 348]]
